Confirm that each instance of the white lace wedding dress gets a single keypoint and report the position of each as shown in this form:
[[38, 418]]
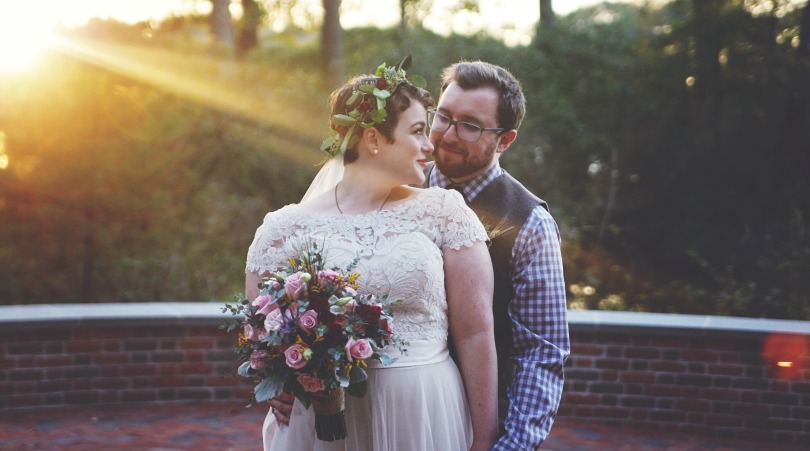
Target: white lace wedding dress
[[418, 403]]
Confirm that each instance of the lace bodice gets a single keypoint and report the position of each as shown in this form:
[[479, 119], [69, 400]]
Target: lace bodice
[[400, 252]]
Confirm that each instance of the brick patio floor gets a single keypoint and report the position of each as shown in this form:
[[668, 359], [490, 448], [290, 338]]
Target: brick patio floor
[[217, 426]]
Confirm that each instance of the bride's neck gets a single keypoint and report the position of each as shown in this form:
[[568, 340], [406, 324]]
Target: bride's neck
[[361, 192]]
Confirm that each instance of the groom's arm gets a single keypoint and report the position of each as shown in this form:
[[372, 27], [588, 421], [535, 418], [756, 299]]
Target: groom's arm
[[540, 329]]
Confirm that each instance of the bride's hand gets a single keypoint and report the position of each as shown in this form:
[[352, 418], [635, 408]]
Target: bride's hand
[[282, 407]]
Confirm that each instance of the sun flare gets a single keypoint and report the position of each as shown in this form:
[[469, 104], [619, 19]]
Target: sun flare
[[25, 34]]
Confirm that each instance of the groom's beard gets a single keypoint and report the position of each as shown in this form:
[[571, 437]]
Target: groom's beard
[[463, 162]]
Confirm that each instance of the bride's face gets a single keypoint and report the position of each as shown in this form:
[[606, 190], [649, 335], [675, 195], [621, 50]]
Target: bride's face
[[405, 158]]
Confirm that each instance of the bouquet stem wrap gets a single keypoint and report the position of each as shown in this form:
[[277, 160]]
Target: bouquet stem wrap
[[330, 419]]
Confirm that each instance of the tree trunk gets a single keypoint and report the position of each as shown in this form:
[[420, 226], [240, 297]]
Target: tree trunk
[[332, 44], [793, 141], [610, 205], [708, 43], [547, 17], [221, 24], [403, 20], [804, 33], [248, 31]]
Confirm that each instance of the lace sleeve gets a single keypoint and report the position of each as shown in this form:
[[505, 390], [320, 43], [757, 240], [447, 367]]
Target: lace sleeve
[[459, 225], [266, 252]]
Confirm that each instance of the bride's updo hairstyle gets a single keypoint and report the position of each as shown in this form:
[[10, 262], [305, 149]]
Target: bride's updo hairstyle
[[371, 101], [399, 101]]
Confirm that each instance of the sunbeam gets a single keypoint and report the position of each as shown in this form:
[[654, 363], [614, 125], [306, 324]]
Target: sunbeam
[[253, 93]]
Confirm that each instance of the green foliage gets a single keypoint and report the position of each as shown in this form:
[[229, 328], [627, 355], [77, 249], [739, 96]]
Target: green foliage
[[671, 144]]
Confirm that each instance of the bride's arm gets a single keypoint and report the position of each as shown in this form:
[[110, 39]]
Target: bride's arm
[[469, 284], [252, 281]]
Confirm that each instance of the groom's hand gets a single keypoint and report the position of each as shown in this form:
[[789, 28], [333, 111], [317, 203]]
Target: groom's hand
[[282, 407]]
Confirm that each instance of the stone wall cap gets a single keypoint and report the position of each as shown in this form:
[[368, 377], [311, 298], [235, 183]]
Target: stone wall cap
[[140, 312], [592, 320]]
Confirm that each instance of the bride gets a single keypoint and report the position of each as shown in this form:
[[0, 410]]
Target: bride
[[424, 247]]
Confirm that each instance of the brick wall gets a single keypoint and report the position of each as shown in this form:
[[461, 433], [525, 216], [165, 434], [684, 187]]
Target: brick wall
[[692, 374], [707, 375], [116, 354]]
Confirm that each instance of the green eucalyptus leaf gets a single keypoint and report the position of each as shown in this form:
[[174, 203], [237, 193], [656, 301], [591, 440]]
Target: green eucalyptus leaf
[[357, 374], [418, 81], [358, 389], [379, 115], [304, 396], [244, 369], [267, 389], [381, 94], [406, 62], [353, 98], [342, 119], [346, 140], [327, 143], [368, 89]]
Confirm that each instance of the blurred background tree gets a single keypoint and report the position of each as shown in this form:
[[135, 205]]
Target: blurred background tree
[[671, 141]]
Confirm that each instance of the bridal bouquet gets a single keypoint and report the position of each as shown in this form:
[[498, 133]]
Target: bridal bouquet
[[310, 333]]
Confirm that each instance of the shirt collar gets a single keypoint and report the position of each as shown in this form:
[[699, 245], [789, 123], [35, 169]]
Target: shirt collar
[[471, 188]]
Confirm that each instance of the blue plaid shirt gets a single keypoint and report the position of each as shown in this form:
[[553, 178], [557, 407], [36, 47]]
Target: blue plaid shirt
[[539, 324]]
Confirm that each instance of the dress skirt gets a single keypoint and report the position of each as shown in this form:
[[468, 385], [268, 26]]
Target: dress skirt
[[418, 403]]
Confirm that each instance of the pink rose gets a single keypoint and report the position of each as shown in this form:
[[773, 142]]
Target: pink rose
[[251, 333], [264, 304], [296, 356], [308, 321], [257, 359], [296, 285], [358, 349], [328, 276], [311, 383]]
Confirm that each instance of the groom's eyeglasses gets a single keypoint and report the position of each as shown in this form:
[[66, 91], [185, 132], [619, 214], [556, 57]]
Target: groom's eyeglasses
[[466, 131]]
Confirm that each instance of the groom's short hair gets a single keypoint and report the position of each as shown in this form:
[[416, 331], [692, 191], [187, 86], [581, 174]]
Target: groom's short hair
[[480, 74]]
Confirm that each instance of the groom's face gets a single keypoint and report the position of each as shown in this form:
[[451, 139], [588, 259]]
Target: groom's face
[[458, 159]]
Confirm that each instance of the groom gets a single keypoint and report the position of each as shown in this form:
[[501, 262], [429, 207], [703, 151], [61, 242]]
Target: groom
[[476, 120]]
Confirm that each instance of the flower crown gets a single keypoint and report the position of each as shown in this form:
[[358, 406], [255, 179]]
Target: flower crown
[[366, 106]]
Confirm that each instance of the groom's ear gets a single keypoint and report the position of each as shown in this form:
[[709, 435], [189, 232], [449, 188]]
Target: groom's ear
[[505, 140]]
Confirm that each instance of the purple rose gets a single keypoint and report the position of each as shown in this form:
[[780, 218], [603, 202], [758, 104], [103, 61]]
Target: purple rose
[[296, 285], [308, 321], [296, 356]]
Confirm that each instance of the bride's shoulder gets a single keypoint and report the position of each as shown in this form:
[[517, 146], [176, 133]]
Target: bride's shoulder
[[433, 192], [446, 197], [281, 214], [423, 197], [434, 201]]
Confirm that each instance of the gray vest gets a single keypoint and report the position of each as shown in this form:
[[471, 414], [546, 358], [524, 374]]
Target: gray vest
[[504, 205]]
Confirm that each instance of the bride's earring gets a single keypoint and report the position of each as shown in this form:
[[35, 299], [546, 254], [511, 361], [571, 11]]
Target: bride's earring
[[375, 151]]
